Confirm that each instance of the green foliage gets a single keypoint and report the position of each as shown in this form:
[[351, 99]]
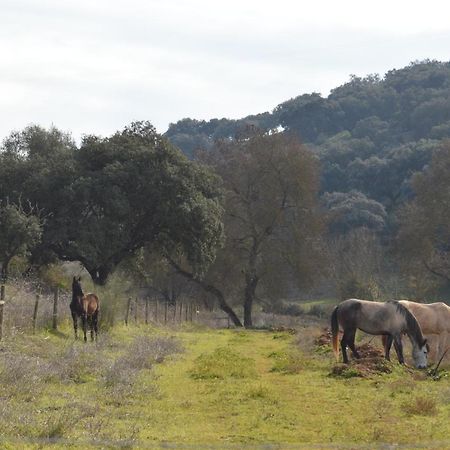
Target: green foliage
[[112, 196], [367, 132], [424, 234], [19, 232]]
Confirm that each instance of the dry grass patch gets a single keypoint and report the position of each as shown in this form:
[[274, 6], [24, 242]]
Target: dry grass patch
[[422, 405]]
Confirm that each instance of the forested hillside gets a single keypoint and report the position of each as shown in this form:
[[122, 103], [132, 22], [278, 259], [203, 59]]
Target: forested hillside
[[371, 134]]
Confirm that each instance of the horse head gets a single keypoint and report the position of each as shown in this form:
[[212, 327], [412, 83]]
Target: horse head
[[77, 292], [420, 354]]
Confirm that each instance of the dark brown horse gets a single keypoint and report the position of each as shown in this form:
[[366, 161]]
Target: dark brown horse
[[84, 306]]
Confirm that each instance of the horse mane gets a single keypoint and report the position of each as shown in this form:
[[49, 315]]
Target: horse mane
[[411, 321], [77, 291]]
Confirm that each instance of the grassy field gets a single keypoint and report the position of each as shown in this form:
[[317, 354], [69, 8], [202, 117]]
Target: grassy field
[[146, 387]]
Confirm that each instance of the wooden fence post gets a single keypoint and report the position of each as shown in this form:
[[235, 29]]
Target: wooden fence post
[[35, 312], [146, 310], [55, 308], [2, 304], [136, 311], [128, 311], [166, 305]]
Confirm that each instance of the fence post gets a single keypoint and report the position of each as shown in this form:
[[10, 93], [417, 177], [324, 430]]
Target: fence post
[[128, 311], [166, 305], [36, 306], [175, 312], [55, 308], [181, 312], [156, 310], [146, 310], [136, 310], [2, 303]]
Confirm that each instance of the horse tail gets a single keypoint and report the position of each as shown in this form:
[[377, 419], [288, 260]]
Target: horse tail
[[335, 332], [384, 341]]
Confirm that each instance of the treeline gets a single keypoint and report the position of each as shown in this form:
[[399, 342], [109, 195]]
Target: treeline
[[256, 217]]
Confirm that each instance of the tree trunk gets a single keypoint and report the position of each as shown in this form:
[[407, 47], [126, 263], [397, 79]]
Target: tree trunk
[[251, 281], [4, 273], [212, 290]]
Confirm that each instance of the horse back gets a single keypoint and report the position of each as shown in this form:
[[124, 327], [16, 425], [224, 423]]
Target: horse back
[[432, 317], [91, 304]]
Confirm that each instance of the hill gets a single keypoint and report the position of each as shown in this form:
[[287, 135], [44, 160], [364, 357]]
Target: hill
[[371, 134]]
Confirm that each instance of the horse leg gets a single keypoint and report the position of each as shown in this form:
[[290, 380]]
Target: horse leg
[[95, 322], [387, 341], [399, 348], [91, 327], [84, 319], [75, 324], [351, 343], [344, 342]]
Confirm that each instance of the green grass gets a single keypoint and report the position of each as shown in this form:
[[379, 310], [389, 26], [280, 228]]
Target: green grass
[[218, 387]]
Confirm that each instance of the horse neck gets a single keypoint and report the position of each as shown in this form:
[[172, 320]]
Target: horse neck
[[413, 331], [76, 296]]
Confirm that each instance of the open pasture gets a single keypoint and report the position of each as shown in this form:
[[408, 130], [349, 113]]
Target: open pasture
[[142, 387]]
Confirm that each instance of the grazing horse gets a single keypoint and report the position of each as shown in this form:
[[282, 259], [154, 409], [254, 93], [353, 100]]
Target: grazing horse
[[434, 319], [86, 307], [390, 319]]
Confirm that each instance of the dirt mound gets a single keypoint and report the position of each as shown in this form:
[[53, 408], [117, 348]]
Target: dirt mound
[[371, 361], [324, 338], [369, 351]]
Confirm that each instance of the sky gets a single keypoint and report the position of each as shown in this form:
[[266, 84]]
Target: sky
[[94, 66]]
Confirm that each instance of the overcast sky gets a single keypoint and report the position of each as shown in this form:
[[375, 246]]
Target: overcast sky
[[93, 66]]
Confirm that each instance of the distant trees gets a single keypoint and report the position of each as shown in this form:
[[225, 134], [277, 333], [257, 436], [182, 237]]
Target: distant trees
[[19, 233], [424, 234], [353, 210]]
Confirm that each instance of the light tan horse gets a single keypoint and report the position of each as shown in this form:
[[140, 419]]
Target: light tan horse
[[434, 319]]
